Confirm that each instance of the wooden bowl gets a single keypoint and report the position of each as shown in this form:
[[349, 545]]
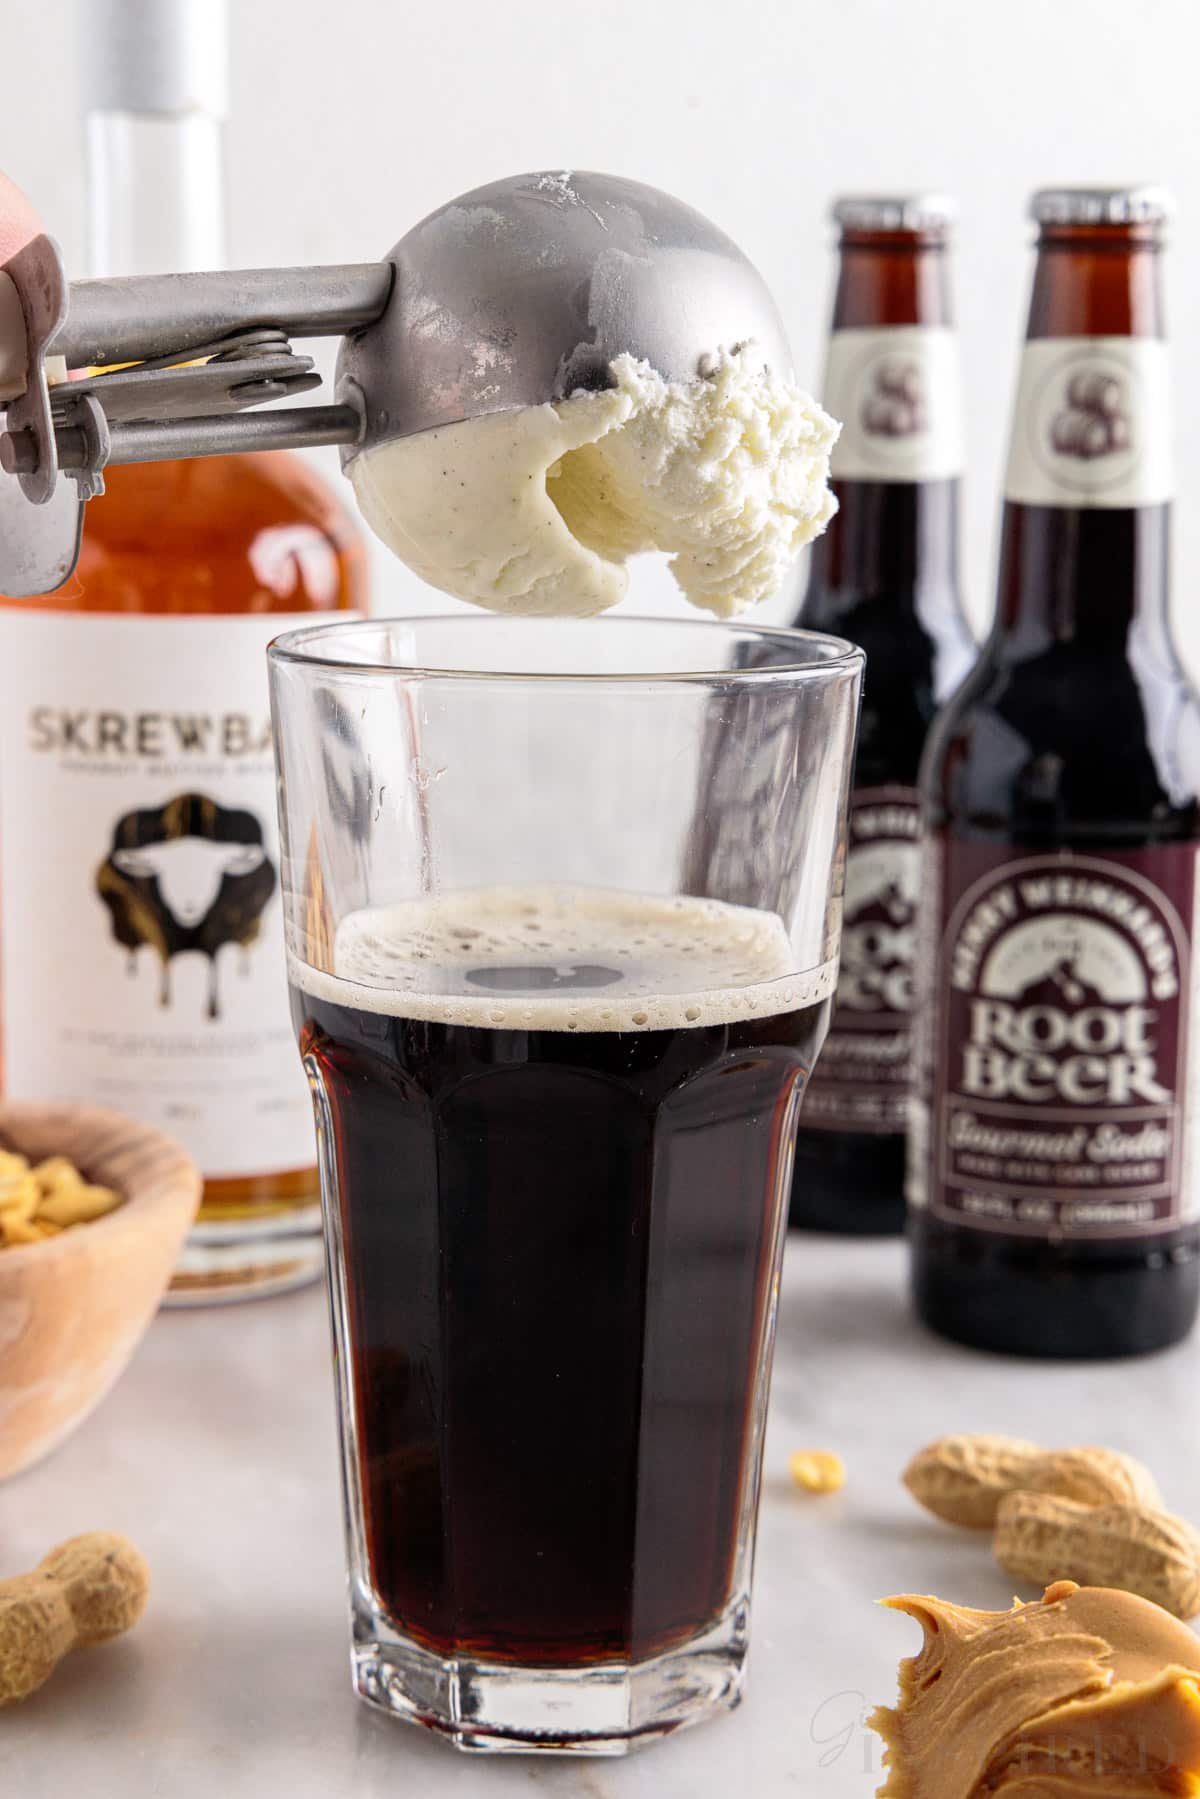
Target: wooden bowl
[[73, 1308]]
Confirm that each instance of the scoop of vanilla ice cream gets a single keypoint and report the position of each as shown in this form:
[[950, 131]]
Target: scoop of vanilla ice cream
[[538, 510]]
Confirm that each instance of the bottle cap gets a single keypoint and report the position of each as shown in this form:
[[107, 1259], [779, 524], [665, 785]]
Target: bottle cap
[[1142, 204], [155, 56], [894, 212]]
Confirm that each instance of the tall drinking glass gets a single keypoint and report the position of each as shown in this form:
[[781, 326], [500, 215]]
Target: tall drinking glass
[[562, 904]]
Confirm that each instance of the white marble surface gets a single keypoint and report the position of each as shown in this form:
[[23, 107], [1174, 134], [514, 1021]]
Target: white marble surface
[[216, 1454]]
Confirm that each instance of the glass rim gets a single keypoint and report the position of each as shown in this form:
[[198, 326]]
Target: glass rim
[[819, 655]]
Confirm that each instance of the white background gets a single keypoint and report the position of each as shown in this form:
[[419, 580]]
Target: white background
[[352, 118]]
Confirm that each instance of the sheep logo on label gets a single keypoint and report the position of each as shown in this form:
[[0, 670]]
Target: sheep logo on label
[[188, 876]]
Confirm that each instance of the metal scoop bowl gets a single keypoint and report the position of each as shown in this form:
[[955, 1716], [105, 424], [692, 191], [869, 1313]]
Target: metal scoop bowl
[[526, 290]]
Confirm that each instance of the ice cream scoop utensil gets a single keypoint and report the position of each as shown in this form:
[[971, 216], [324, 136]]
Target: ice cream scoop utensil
[[513, 295]]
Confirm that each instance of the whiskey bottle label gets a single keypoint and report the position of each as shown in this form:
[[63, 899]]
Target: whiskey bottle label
[[1061, 1060], [141, 937], [861, 1080], [1092, 423], [897, 392]]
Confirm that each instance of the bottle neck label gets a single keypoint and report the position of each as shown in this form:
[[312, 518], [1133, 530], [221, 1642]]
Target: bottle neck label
[[860, 1084], [1092, 426], [1059, 1041], [897, 391]]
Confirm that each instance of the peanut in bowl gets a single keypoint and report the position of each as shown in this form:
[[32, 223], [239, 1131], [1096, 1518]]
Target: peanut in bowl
[[38, 1200], [76, 1300]]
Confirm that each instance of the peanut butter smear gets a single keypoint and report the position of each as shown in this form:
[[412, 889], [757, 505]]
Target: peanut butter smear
[[1088, 1693]]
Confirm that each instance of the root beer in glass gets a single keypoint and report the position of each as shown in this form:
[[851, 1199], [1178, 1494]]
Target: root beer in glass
[[1053, 1178], [556, 1089], [884, 574]]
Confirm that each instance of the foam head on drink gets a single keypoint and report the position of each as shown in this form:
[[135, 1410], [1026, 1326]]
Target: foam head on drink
[[561, 958]]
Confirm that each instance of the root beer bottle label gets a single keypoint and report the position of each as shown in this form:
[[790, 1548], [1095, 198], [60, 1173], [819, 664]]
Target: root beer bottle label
[[865, 1064], [885, 574], [1063, 1042], [1052, 1186]]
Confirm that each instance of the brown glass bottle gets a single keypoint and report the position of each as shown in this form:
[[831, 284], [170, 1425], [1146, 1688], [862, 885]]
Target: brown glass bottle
[[885, 574], [1051, 1175]]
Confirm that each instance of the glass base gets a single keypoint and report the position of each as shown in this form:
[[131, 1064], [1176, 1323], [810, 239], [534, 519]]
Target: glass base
[[600, 1708], [248, 1258]]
